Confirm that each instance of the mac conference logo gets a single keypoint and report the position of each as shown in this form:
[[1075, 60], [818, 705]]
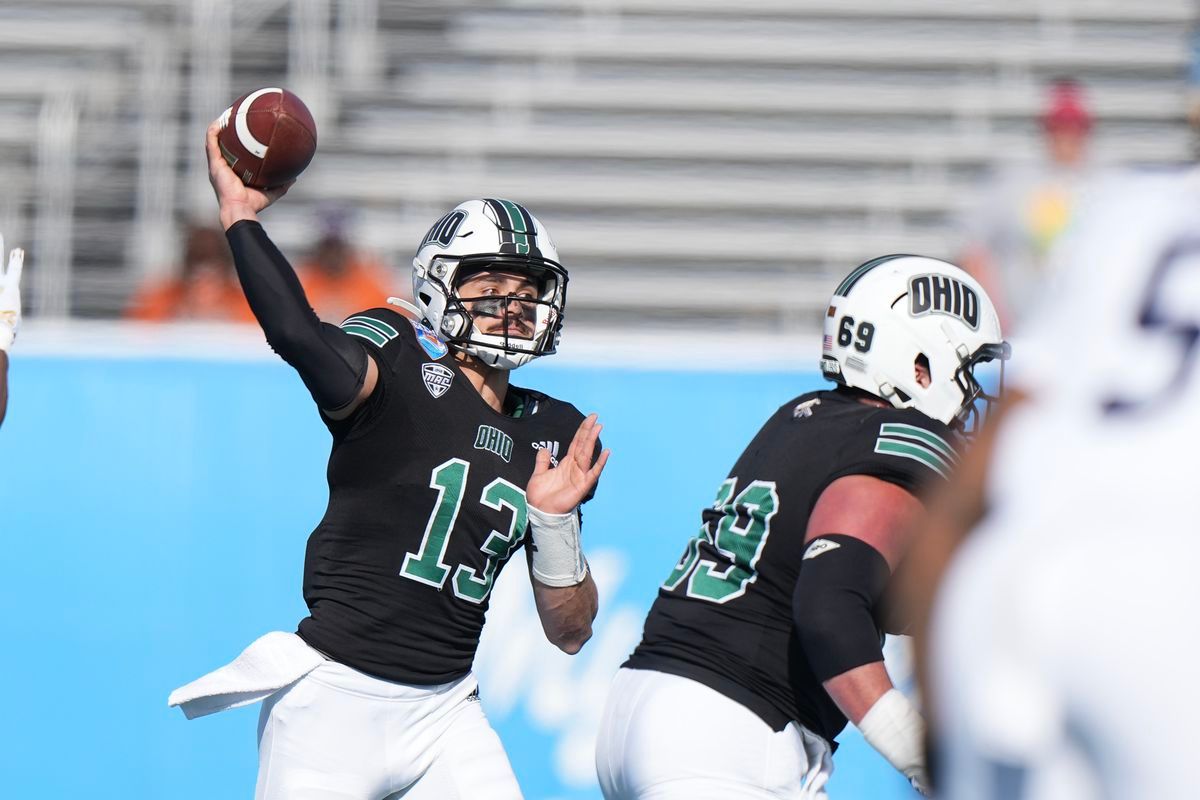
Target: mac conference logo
[[437, 379]]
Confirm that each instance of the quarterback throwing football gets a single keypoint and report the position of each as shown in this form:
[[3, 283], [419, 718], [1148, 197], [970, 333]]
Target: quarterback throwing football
[[766, 636], [439, 471]]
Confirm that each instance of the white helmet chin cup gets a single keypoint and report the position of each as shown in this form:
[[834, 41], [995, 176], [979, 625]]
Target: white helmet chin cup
[[496, 235], [890, 312]]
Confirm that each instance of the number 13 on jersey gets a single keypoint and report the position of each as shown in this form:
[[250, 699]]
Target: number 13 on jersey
[[427, 565], [738, 536]]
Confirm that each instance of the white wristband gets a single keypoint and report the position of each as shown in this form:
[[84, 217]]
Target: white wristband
[[894, 727], [557, 553]]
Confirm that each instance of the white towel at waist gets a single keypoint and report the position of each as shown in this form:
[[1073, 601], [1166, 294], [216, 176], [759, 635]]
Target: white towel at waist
[[271, 662]]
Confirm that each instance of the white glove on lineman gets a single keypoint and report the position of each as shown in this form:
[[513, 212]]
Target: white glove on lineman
[[10, 296], [895, 728], [557, 552]]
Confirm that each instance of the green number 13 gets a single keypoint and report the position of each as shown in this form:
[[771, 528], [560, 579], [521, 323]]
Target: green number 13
[[428, 564]]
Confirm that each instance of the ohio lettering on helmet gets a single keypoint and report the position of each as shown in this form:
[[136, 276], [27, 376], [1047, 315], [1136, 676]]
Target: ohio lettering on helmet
[[899, 311], [490, 235]]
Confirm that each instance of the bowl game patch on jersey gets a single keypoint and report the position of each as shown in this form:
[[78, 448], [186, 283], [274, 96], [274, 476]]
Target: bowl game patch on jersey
[[429, 341]]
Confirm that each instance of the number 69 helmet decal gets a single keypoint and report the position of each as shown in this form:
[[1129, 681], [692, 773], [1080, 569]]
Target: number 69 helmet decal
[[897, 311]]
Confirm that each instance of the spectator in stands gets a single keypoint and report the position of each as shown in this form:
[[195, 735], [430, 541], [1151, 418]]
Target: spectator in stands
[[205, 289], [338, 277], [1025, 207]]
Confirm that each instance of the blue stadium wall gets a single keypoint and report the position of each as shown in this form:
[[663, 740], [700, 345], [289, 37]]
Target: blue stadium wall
[[153, 515]]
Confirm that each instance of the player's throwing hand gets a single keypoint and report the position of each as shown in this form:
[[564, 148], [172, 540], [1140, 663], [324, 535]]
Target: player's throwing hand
[[236, 199], [10, 295]]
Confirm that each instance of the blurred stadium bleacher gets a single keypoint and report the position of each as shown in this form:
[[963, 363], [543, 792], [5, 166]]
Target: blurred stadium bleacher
[[664, 142]]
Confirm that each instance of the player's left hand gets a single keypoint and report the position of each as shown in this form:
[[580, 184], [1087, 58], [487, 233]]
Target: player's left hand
[[10, 295], [558, 490]]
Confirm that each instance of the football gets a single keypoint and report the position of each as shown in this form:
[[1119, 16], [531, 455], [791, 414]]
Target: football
[[268, 137]]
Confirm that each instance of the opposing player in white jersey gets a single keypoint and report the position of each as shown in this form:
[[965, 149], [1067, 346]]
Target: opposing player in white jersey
[[1061, 647], [10, 314]]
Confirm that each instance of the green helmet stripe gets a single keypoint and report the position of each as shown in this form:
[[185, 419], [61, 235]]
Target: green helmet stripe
[[520, 229], [846, 285]]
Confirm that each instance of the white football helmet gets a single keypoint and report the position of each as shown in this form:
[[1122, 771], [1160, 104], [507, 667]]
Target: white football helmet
[[495, 235], [896, 311]]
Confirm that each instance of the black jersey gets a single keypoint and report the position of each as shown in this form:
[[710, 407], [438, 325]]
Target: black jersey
[[724, 617], [426, 505]]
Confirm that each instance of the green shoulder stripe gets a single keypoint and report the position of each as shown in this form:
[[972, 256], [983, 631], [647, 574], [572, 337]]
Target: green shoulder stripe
[[373, 330], [910, 441], [914, 451], [364, 332], [379, 325], [899, 430]]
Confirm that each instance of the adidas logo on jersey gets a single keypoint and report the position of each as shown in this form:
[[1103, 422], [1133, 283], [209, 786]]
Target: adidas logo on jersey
[[552, 447], [494, 440], [817, 547], [437, 379], [805, 409]]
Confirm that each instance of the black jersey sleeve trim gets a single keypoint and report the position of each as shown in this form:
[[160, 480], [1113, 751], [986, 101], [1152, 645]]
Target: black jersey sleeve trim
[[332, 364], [833, 607]]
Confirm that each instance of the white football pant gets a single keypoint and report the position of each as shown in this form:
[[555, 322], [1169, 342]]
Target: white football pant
[[337, 734], [669, 738]]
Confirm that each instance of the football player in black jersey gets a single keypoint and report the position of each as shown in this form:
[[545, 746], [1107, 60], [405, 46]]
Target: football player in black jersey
[[440, 470], [767, 634]]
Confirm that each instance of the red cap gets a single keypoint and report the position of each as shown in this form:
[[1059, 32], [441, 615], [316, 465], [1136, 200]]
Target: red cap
[[1066, 107]]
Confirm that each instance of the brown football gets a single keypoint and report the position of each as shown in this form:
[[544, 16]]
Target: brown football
[[268, 137]]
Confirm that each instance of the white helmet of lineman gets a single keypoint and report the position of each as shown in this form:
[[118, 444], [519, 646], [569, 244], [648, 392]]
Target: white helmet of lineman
[[897, 311], [497, 235]]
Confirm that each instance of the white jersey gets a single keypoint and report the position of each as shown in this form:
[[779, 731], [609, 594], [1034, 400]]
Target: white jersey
[[1064, 643]]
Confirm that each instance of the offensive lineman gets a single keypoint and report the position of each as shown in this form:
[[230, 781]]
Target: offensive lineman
[[10, 315], [766, 636], [430, 494], [1061, 658]]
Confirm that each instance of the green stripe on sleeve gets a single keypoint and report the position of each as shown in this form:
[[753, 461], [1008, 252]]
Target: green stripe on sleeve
[[362, 331], [903, 431], [377, 325], [914, 451]]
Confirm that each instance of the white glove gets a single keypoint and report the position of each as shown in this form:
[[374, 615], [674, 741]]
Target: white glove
[[10, 296]]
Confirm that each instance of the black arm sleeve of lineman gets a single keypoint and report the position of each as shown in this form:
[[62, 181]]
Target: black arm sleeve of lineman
[[841, 580], [331, 363]]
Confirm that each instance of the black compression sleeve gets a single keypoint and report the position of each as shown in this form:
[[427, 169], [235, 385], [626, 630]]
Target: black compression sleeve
[[332, 364], [841, 580]]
